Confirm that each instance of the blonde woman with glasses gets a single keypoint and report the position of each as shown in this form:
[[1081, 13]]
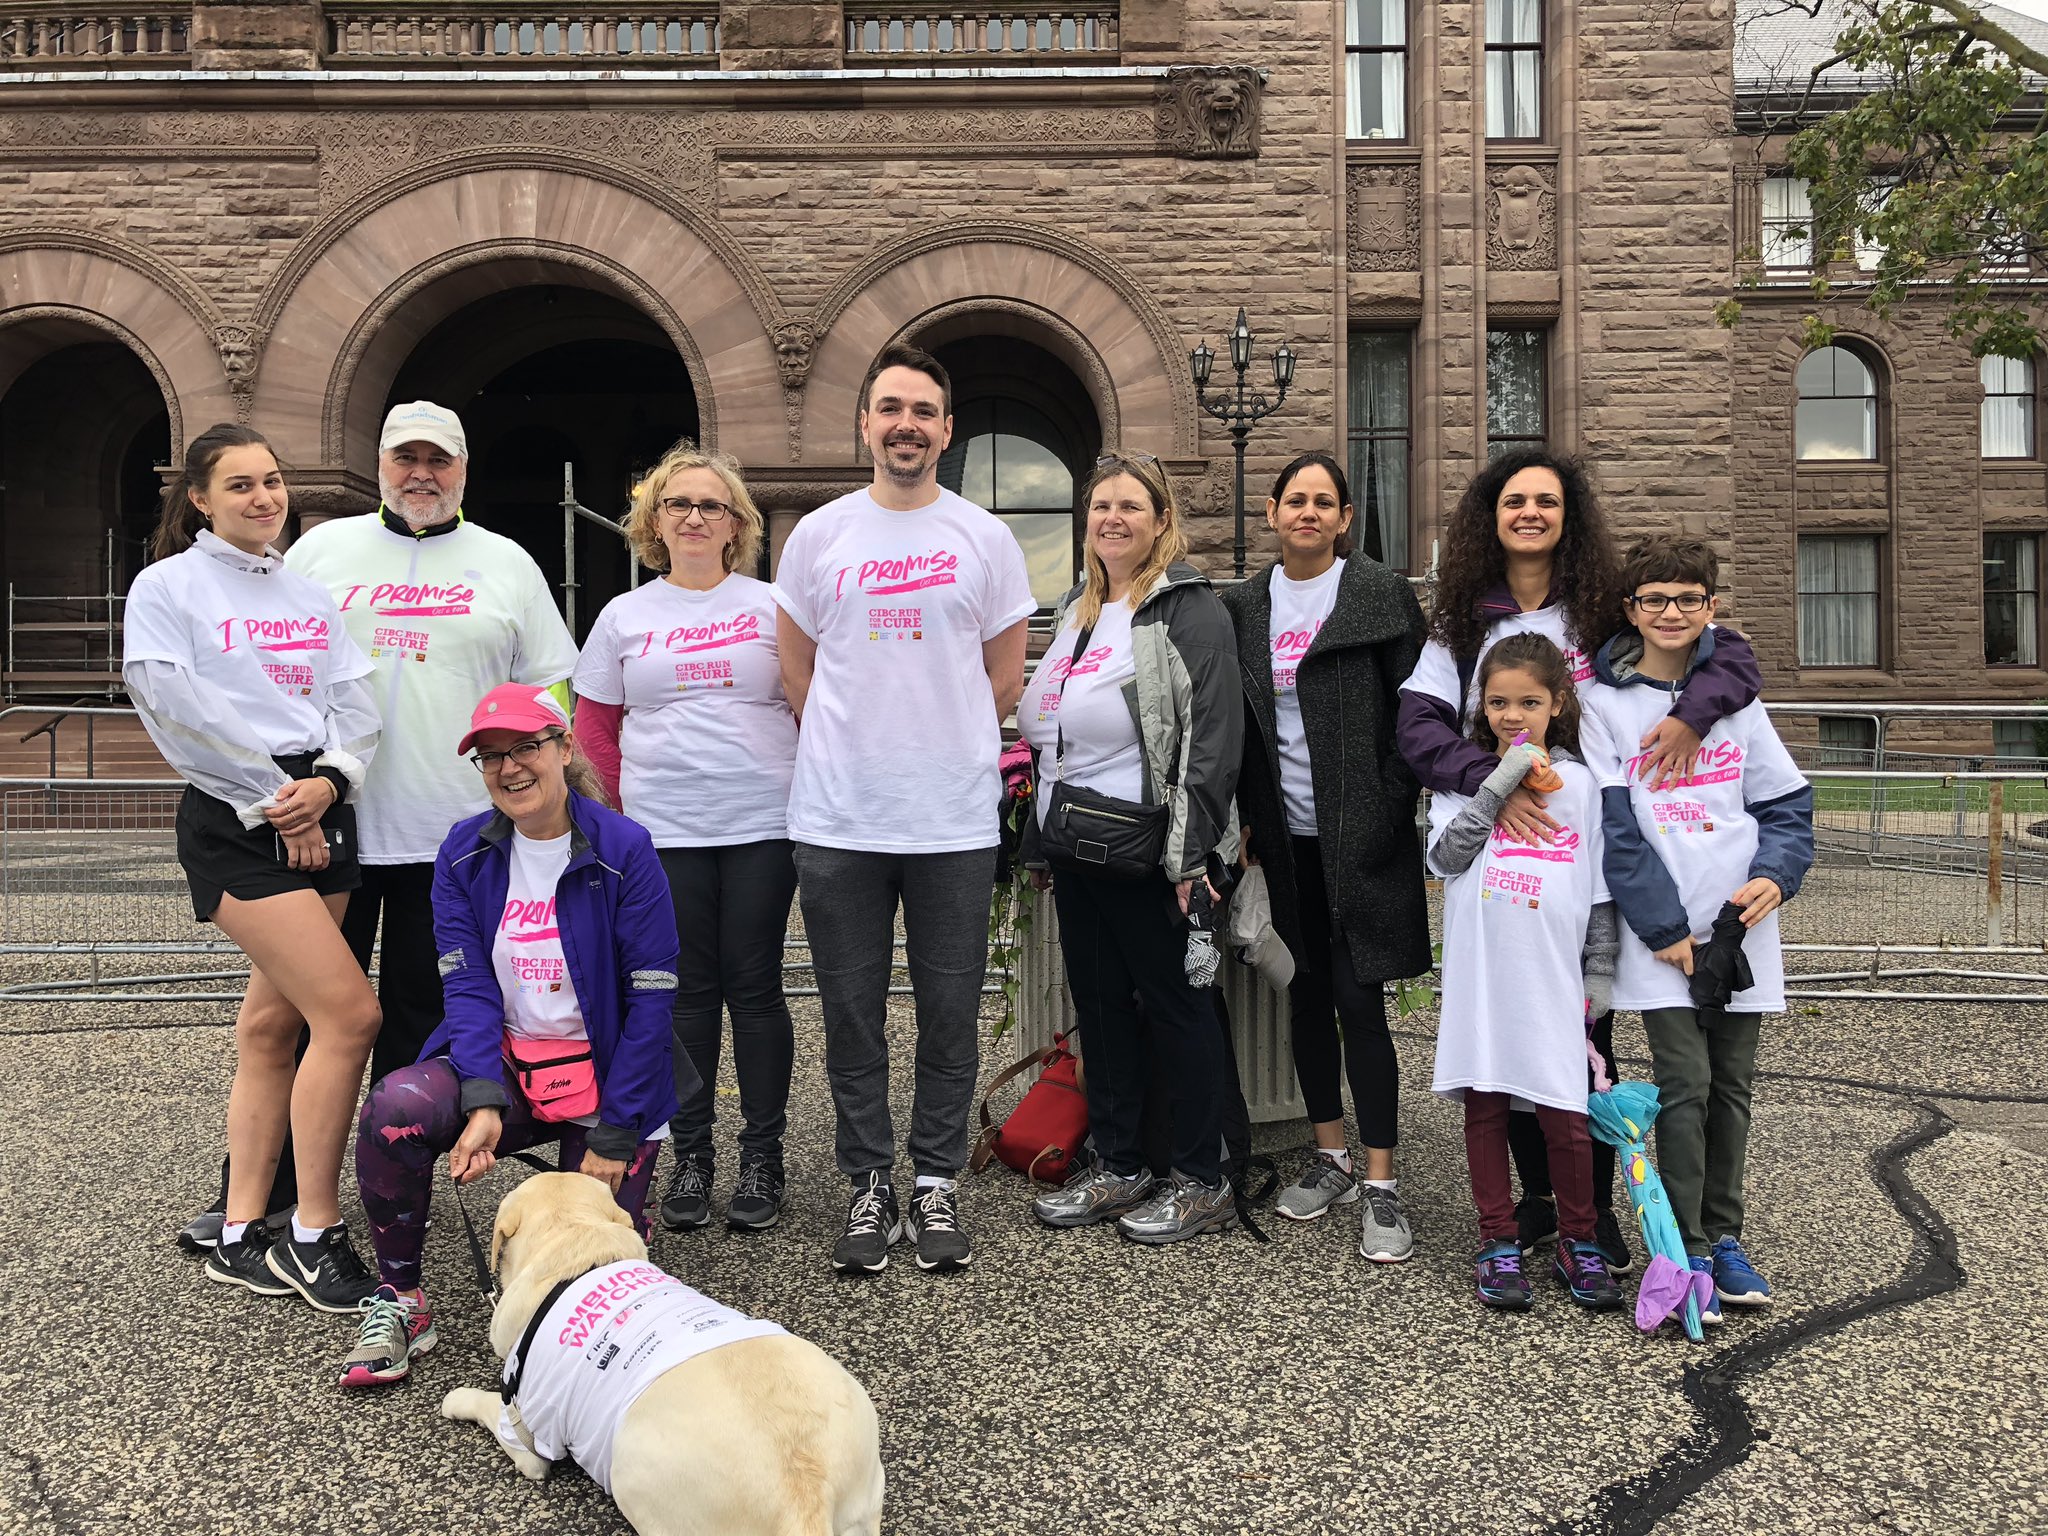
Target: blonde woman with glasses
[[1135, 714], [679, 703]]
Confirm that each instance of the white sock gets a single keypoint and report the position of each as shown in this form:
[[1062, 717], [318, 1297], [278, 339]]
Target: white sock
[[1389, 1185], [1341, 1156], [927, 1181], [302, 1233], [231, 1232]]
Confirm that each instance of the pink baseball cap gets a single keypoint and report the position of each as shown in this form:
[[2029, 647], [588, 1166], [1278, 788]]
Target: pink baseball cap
[[514, 707]]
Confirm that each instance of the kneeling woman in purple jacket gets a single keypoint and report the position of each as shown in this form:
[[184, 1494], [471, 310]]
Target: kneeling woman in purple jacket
[[558, 957]]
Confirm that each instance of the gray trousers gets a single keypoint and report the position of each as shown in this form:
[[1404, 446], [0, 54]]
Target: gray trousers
[[1706, 1069], [849, 901]]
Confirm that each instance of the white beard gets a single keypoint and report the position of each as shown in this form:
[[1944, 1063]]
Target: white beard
[[441, 512]]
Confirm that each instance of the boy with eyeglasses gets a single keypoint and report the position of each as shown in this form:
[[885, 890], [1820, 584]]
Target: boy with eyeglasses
[[1736, 834]]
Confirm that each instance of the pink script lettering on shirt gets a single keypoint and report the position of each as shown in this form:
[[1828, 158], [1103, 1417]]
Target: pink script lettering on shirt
[[307, 634], [535, 920], [1564, 850], [422, 599], [704, 637], [1719, 764], [1091, 661], [879, 578]]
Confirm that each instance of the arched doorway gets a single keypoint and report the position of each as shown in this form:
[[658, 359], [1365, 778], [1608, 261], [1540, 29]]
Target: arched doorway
[[547, 375], [83, 430], [1025, 436]]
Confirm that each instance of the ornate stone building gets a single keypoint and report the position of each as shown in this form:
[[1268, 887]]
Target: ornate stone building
[[593, 231]]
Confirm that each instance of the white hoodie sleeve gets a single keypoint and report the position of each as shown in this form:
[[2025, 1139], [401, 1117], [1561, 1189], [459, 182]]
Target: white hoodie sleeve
[[203, 735]]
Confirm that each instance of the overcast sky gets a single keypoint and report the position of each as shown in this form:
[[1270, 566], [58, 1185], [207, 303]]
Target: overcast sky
[[2035, 8]]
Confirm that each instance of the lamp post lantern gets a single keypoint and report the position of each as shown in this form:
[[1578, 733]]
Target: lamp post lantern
[[1238, 409]]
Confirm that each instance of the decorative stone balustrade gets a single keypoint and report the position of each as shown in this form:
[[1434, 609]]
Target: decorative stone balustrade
[[941, 34], [38, 37], [496, 35]]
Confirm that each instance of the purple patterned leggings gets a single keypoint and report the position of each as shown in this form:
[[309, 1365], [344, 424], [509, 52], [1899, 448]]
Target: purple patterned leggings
[[414, 1116]]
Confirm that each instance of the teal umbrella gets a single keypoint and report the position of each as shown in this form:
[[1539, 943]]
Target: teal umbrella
[[1622, 1116]]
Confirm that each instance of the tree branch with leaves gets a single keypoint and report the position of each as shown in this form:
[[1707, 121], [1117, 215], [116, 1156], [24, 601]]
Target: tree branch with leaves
[[1922, 143]]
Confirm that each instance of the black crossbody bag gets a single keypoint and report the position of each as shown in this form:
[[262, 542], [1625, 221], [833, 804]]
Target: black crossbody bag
[[1093, 832]]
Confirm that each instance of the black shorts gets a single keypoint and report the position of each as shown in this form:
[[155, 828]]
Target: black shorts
[[223, 857]]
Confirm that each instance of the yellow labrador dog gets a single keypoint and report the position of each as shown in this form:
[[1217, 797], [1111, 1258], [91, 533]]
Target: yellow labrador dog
[[729, 1426]]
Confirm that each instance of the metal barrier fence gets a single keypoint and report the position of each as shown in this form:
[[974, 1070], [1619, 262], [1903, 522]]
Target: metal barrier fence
[[1927, 885]]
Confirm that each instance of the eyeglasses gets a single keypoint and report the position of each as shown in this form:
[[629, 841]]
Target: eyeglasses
[[1657, 602], [1103, 461], [522, 753], [709, 511]]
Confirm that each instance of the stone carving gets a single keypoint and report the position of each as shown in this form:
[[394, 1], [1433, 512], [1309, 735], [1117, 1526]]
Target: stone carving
[[794, 340], [1218, 108], [1384, 217], [1522, 234], [238, 346]]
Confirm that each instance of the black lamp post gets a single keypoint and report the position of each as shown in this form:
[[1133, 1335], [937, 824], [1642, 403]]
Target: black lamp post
[[1236, 409]]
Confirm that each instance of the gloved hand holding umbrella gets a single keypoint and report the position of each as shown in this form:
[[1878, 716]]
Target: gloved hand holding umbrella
[[1622, 1116], [1719, 967]]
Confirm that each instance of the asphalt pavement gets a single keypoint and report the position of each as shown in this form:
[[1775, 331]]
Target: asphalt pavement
[[1071, 1382]]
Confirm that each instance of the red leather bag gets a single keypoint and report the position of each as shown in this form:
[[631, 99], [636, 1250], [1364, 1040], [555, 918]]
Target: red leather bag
[[1044, 1133]]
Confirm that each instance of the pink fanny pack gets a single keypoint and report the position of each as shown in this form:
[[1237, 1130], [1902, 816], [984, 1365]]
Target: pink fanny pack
[[557, 1078]]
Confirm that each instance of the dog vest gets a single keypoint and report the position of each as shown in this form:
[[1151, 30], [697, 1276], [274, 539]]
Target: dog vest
[[605, 1340]]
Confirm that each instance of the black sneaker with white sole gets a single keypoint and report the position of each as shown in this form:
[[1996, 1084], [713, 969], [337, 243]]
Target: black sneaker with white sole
[[1613, 1246], [201, 1235], [244, 1263], [942, 1243], [326, 1271], [756, 1203], [686, 1205], [873, 1223]]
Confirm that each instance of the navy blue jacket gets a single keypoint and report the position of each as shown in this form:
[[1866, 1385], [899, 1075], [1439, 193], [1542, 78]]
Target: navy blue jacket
[[619, 939], [1643, 890]]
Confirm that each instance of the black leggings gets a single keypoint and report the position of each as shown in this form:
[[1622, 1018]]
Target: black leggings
[[1532, 1155], [1325, 993], [732, 910]]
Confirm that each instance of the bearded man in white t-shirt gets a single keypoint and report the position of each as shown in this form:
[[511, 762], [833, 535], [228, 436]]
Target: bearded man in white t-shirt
[[446, 611], [900, 623]]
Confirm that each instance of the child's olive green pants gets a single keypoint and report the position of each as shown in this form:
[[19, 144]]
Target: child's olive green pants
[[1706, 1065]]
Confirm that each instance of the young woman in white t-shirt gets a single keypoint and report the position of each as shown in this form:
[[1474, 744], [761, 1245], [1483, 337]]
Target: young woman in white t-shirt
[[248, 683], [680, 706], [1529, 943]]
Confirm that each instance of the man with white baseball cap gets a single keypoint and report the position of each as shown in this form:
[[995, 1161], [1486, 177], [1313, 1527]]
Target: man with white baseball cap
[[445, 611]]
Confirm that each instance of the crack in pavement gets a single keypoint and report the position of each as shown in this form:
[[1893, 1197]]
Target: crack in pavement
[[1633, 1505]]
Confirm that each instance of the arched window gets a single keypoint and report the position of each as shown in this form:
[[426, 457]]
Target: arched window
[[1837, 412], [1024, 436], [2008, 426]]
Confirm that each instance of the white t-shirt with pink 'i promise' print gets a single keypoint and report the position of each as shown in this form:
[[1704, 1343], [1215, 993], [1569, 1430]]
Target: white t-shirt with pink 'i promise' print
[[708, 744], [1300, 609], [900, 738], [1513, 1016]]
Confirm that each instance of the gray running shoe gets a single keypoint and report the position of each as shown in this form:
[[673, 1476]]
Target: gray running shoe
[[1092, 1194], [1322, 1184], [1179, 1209], [1384, 1234]]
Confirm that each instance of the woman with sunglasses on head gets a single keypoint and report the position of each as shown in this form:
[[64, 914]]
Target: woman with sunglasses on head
[[1325, 639], [558, 948], [680, 705], [251, 688]]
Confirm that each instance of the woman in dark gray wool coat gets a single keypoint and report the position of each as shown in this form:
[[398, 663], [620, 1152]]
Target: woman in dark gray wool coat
[[1324, 643]]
